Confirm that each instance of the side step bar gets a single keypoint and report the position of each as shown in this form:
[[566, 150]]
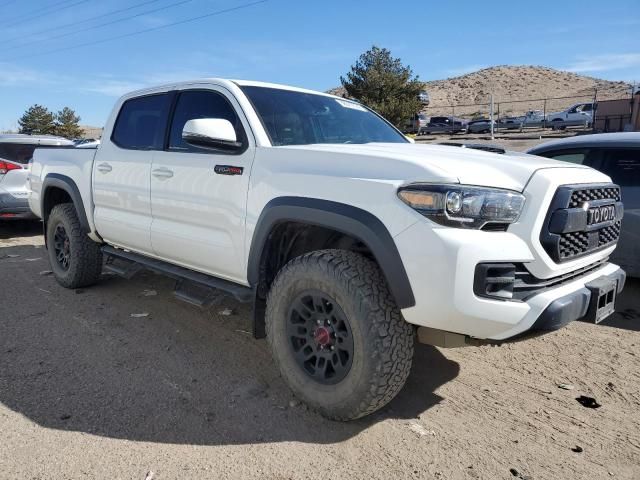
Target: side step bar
[[131, 263]]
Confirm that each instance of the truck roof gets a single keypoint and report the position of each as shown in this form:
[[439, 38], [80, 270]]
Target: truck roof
[[225, 82]]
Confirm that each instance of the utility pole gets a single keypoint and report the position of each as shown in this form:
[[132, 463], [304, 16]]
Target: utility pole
[[593, 109], [491, 117]]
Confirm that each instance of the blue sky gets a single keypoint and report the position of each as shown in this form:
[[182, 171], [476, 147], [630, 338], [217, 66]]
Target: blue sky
[[303, 43]]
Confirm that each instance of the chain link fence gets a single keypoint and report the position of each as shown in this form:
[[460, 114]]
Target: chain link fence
[[558, 113]]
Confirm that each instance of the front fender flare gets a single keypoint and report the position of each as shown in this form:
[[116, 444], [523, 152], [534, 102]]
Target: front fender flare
[[341, 217]]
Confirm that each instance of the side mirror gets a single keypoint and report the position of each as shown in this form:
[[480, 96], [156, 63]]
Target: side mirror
[[213, 133]]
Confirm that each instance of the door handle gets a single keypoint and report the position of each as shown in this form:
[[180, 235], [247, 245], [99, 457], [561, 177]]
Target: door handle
[[104, 168], [162, 173]]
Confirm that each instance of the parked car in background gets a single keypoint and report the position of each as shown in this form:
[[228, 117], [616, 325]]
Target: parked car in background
[[91, 143], [617, 155], [530, 119], [533, 116], [481, 125], [509, 123], [423, 97], [577, 114], [415, 123], [444, 125], [16, 150], [83, 141]]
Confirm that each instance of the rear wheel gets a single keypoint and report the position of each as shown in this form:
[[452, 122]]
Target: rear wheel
[[337, 335], [76, 260]]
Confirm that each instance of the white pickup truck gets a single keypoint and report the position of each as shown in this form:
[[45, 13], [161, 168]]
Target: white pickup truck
[[346, 236], [577, 114]]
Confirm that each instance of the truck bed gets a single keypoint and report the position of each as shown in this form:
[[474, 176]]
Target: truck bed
[[74, 163]]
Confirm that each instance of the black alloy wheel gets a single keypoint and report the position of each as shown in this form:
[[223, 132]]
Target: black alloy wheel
[[62, 247], [320, 337]]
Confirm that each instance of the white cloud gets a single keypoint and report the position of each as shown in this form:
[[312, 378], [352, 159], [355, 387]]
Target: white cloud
[[603, 63], [13, 75]]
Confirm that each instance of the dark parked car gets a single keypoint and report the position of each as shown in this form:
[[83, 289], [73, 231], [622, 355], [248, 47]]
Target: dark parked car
[[444, 125], [617, 155]]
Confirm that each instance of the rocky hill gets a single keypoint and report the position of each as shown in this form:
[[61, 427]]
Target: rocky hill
[[514, 83], [91, 132]]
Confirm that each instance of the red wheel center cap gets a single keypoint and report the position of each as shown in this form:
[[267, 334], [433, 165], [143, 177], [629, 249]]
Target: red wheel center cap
[[322, 336]]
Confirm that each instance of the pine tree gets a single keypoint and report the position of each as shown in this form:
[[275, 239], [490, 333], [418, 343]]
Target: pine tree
[[384, 84], [66, 124], [37, 120]]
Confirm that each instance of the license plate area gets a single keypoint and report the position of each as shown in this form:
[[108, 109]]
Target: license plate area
[[603, 299]]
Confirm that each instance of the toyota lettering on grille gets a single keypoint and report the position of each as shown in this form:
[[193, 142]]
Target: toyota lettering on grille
[[601, 214]]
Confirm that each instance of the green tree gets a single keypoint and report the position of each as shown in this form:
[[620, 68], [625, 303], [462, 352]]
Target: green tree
[[37, 120], [67, 124], [384, 84]]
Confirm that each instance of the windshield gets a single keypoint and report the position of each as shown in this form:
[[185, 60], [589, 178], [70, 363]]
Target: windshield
[[297, 118]]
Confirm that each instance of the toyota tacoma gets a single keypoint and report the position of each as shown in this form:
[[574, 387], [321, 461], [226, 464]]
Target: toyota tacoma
[[348, 239]]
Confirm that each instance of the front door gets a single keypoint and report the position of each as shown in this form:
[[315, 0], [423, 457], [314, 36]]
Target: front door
[[198, 203]]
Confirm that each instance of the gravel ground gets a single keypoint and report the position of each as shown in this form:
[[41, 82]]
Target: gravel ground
[[89, 391]]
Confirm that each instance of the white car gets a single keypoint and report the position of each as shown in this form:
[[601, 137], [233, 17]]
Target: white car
[[16, 150], [577, 114], [346, 237]]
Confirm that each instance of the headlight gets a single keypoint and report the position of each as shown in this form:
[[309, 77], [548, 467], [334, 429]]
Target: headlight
[[463, 206]]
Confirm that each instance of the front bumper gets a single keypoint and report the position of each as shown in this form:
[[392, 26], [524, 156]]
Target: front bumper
[[14, 208], [441, 265], [573, 306]]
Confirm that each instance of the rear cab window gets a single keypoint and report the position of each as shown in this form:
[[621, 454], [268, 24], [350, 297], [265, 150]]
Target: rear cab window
[[142, 122]]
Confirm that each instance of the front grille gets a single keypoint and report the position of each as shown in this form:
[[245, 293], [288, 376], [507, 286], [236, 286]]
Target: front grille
[[566, 234], [609, 234], [578, 197], [574, 243]]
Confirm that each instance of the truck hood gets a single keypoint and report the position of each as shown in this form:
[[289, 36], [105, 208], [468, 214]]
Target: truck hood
[[434, 163]]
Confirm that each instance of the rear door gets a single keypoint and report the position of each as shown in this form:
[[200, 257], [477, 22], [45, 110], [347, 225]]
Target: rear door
[[122, 172], [199, 210]]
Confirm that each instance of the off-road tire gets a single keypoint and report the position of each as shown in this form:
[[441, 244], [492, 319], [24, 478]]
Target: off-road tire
[[85, 256], [382, 339]]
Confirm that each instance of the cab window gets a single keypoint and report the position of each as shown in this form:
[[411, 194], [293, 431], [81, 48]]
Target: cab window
[[193, 104]]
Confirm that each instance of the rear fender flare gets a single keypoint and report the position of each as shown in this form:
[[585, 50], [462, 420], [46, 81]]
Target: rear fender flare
[[56, 180]]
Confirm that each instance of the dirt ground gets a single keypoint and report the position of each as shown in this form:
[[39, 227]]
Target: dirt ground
[[89, 391]]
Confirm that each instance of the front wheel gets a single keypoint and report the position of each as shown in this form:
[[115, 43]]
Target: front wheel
[[337, 335], [76, 260]]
